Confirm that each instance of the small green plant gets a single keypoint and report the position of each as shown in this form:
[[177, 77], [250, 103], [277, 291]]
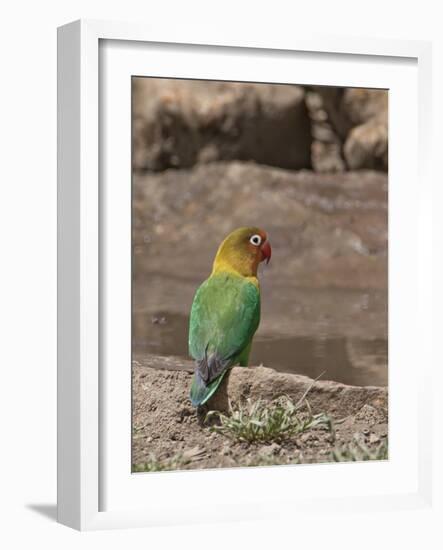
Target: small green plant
[[357, 452], [259, 421], [270, 460], [154, 464]]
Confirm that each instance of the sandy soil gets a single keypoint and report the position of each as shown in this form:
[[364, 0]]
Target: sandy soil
[[166, 425]]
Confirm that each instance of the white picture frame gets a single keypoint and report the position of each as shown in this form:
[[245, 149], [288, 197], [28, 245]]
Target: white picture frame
[[83, 400]]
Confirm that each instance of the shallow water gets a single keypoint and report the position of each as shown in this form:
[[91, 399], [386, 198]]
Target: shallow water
[[350, 360]]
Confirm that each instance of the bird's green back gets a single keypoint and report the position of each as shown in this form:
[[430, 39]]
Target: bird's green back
[[226, 310], [224, 317]]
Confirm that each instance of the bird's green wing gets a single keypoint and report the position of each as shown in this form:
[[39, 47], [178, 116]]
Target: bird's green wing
[[224, 317]]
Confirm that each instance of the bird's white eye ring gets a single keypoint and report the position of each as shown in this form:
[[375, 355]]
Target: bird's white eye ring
[[255, 240]]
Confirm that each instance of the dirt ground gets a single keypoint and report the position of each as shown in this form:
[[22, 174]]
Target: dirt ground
[[166, 426]]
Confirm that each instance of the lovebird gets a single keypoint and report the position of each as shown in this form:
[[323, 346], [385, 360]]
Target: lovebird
[[225, 312]]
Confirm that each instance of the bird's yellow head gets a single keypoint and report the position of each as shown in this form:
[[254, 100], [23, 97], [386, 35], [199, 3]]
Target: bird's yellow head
[[242, 251]]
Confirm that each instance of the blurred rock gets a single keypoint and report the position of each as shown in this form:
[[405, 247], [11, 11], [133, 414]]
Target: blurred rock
[[363, 104], [367, 145], [359, 118], [180, 123], [326, 157], [326, 148]]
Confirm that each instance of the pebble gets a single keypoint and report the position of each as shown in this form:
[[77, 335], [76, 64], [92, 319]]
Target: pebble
[[226, 450], [308, 437], [272, 449], [159, 320]]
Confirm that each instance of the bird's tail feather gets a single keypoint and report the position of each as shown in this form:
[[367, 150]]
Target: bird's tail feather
[[200, 392]]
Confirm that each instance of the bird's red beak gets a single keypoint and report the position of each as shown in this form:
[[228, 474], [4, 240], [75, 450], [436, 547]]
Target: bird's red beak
[[266, 251]]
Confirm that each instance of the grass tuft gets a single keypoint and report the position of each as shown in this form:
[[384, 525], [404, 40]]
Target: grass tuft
[[270, 460], [153, 464], [259, 421], [357, 452]]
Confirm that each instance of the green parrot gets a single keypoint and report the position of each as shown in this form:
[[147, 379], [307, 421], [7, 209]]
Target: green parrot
[[225, 312]]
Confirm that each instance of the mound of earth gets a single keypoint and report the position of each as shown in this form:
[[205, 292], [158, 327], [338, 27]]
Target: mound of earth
[[165, 425]]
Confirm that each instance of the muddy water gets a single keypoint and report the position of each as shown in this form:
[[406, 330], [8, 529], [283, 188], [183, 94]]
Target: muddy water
[[348, 359], [324, 294]]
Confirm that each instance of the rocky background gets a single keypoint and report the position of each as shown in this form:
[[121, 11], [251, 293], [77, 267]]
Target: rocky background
[[309, 165], [180, 124]]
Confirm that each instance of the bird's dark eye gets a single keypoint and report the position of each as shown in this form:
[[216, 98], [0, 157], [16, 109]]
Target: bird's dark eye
[[255, 240]]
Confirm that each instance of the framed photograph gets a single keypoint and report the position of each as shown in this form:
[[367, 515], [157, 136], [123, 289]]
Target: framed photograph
[[241, 307]]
